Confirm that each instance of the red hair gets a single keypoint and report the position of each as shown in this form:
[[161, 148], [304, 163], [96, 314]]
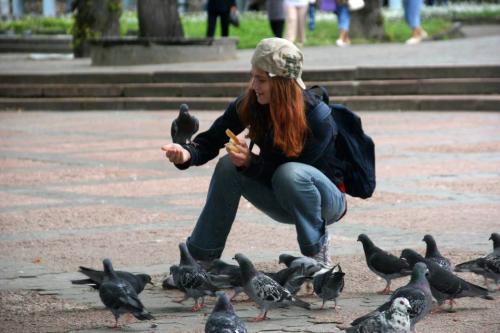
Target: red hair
[[287, 115]]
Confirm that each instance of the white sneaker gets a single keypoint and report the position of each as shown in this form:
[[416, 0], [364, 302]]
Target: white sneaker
[[416, 40], [341, 43], [323, 256]]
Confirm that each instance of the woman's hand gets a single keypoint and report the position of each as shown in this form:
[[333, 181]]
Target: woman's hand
[[176, 153], [239, 153]]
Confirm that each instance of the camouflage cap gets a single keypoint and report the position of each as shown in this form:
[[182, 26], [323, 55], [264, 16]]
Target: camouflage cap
[[279, 57]]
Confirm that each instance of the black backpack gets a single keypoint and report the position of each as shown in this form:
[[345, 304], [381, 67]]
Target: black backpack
[[355, 151]]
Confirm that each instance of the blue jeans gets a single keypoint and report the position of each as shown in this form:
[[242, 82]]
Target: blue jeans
[[312, 16], [343, 17], [300, 194], [412, 12]]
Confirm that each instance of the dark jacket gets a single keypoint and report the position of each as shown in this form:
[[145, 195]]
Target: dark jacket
[[319, 148], [220, 5]]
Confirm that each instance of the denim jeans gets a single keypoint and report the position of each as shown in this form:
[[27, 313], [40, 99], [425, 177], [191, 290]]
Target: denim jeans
[[412, 12], [343, 17], [300, 194]]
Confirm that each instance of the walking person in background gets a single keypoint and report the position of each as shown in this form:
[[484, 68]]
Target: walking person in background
[[312, 15], [276, 16], [296, 12], [222, 9], [412, 17], [343, 22]]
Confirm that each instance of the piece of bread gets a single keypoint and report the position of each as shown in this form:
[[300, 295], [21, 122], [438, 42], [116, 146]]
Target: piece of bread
[[233, 137]]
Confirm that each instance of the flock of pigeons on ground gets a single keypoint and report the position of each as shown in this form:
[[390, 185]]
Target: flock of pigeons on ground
[[431, 277]]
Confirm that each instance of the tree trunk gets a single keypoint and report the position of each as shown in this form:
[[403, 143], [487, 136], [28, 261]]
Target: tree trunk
[[368, 22], [159, 19], [94, 19]]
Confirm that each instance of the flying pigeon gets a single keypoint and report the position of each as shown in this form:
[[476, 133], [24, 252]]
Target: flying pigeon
[[95, 277], [190, 278], [382, 263], [223, 319], [329, 285], [418, 294], [184, 126], [119, 296], [487, 266], [396, 319], [445, 286], [263, 290], [432, 253]]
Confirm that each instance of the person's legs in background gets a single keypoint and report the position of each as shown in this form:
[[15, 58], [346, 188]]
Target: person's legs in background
[[224, 23], [291, 23], [277, 27], [412, 17], [312, 16], [211, 22], [301, 25], [343, 21]]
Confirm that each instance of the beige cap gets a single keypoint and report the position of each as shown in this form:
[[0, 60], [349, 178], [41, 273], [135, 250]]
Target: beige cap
[[279, 57]]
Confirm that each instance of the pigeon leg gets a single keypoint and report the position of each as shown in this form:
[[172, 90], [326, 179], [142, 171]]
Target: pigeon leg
[[262, 316], [387, 289], [323, 305], [197, 307]]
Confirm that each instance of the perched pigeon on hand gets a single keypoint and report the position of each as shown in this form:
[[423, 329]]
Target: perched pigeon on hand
[[119, 296], [396, 319], [329, 285], [184, 126], [223, 319], [382, 263], [487, 266], [190, 278], [137, 281], [263, 290], [417, 292], [432, 253], [445, 286]]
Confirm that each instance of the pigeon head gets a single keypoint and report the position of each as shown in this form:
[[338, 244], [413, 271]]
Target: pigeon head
[[145, 278], [223, 303], [431, 246], [412, 257], [108, 267], [419, 270], [366, 241], [184, 108], [286, 259], [186, 258], [337, 270], [401, 304], [495, 237], [247, 268]]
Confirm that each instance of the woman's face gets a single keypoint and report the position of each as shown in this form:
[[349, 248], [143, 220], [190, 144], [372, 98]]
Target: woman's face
[[262, 85]]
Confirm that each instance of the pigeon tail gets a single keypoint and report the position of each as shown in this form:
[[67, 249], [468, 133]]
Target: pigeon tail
[[144, 315], [300, 303]]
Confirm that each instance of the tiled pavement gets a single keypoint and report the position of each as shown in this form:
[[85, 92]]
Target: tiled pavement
[[77, 187]]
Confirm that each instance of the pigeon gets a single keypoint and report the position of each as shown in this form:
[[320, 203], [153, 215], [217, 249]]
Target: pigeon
[[223, 319], [487, 266], [396, 319], [445, 286], [95, 277], [190, 278], [263, 290], [432, 253], [310, 264], [119, 296], [184, 126], [417, 292], [329, 285], [382, 263]]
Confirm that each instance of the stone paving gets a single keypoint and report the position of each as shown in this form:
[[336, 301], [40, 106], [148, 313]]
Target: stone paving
[[77, 187]]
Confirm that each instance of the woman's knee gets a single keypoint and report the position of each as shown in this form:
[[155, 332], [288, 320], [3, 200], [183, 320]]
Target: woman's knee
[[290, 176], [225, 167]]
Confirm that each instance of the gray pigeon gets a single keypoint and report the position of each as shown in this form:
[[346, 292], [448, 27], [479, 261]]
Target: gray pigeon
[[263, 290], [432, 253], [445, 286], [310, 264], [95, 277], [487, 266], [382, 263], [119, 296], [417, 292], [184, 126], [396, 319], [223, 319], [329, 285], [190, 278]]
